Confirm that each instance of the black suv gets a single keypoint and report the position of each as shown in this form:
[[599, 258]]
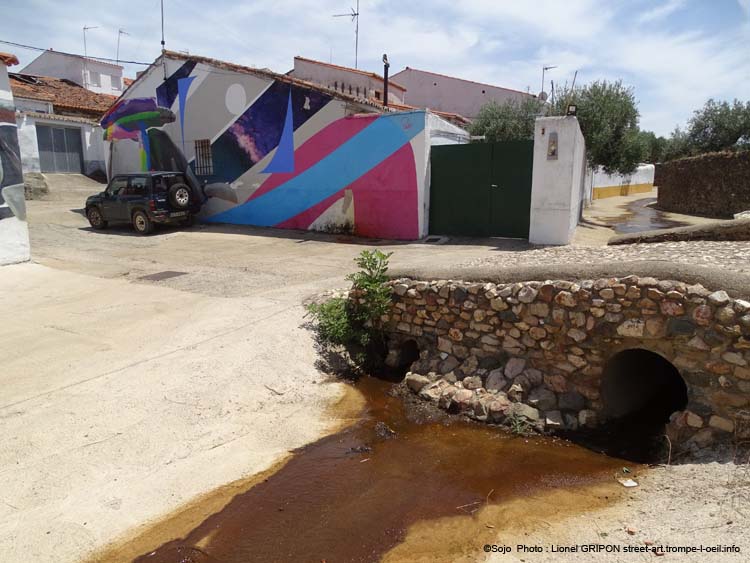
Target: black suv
[[143, 200]]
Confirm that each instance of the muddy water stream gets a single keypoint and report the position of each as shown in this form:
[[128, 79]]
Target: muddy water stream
[[352, 496]]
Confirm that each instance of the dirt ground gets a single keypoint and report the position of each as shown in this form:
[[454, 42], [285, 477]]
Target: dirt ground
[[125, 398]]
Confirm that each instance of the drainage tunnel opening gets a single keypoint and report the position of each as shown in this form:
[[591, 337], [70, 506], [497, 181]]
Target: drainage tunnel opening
[[640, 391], [398, 362]]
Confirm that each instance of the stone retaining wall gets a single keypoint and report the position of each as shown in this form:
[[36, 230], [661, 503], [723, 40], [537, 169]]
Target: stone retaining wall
[[538, 350], [711, 185]]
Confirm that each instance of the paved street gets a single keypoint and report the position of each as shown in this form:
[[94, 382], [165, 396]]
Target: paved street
[[126, 397]]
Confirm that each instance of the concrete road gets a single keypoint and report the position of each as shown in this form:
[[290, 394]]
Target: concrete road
[[126, 398]]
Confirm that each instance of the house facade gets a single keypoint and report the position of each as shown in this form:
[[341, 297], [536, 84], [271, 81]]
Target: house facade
[[268, 149], [94, 75], [351, 81], [450, 94], [58, 126], [14, 232]]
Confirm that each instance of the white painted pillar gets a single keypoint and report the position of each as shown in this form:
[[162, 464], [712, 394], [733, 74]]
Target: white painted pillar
[[557, 186]]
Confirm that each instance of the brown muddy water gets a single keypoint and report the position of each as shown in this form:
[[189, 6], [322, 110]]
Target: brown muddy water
[[642, 216], [353, 495]]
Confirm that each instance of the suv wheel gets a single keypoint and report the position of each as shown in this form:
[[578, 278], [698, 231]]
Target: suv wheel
[[94, 215], [141, 223], [179, 196]]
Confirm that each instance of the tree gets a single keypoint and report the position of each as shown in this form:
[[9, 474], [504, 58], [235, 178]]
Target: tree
[[719, 126], [509, 121], [677, 146], [608, 117], [653, 147]]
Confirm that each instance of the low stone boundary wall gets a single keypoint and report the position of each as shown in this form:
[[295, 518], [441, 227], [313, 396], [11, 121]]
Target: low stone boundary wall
[[711, 185], [538, 350]]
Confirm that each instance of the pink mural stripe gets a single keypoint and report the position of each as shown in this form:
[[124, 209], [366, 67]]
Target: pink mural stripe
[[386, 203], [385, 200], [317, 147]]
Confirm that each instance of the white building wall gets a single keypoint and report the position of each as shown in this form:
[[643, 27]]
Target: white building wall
[[609, 185], [449, 94], [27, 140], [558, 182], [94, 147], [22, 104], [332, 77], [70, 67], [14, 230]]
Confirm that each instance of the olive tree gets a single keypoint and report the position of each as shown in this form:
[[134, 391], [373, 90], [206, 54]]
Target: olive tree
[[608, 115], [509, 121]]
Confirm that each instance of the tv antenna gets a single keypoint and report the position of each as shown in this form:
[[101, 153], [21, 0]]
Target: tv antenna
[[354, 14], [86, 54], [542, 93], [120, 33]]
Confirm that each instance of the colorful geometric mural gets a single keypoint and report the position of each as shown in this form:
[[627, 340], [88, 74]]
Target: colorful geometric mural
[[369, 155], [259, 129], [356, 172], [167, 91]]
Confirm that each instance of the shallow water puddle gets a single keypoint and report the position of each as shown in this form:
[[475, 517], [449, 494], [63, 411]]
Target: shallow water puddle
[[353, 495]]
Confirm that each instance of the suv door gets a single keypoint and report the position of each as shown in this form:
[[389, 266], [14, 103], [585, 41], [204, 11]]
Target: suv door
[[135, 196], [110, 201]]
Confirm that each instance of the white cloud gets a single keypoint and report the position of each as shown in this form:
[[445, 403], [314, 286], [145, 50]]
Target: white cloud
[[662, 11], [501, 42]]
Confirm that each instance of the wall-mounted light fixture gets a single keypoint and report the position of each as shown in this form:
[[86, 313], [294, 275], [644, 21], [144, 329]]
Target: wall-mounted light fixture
[[572, 110]]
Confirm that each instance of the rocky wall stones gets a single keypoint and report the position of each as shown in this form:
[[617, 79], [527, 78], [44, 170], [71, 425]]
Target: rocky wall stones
[[538, 350]]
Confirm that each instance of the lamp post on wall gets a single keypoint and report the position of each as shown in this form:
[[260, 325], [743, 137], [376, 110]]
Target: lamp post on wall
[[386, 66]]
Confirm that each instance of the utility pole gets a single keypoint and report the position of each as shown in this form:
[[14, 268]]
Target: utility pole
[[86, 56], [120, 32]]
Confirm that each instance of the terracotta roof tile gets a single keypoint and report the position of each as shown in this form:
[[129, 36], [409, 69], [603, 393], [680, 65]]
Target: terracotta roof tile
[[264, 72], [65, 96], [8, 59]]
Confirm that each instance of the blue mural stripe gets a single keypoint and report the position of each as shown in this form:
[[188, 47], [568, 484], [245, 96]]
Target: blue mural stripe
[[350, 161], [183, 85], [166, 92], [283, 158]]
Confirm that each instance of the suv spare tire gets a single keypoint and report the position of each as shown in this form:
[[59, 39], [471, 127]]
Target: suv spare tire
[[180, 196]]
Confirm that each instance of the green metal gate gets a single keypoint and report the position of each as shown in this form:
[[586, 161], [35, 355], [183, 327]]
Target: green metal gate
[[481, 189]]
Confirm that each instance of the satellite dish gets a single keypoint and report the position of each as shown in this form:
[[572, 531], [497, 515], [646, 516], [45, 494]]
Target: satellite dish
[[542, 96]]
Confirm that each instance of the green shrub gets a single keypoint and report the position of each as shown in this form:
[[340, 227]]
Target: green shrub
[[332, 316], [354, 323]]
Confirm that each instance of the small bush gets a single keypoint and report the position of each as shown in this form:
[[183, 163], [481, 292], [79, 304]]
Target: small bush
[[354, 323], [332, 316]]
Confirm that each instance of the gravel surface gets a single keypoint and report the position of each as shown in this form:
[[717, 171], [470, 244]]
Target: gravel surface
[[734, 255]]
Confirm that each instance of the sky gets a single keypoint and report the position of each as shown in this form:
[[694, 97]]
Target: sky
[[674, 53]]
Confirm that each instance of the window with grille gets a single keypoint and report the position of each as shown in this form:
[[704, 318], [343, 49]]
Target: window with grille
[[204, 164]]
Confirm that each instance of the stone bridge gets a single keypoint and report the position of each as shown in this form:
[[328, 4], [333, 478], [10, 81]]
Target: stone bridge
[[571, 354]]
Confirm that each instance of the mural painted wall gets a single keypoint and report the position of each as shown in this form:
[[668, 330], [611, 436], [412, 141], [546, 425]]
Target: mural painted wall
[[14, 232], [282, 154]]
